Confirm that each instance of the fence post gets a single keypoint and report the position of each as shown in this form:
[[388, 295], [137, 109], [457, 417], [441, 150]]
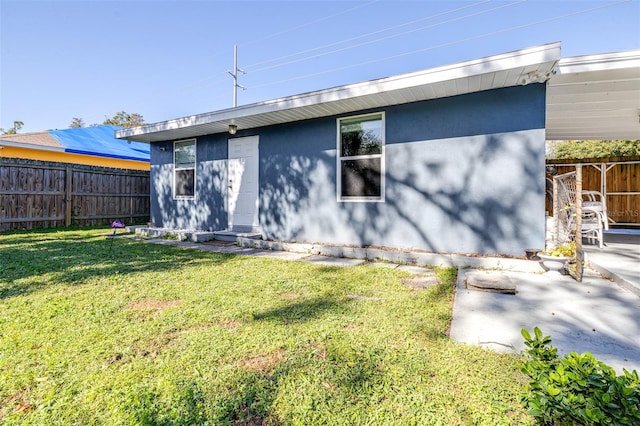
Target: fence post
[[67, 196], [556, 215]]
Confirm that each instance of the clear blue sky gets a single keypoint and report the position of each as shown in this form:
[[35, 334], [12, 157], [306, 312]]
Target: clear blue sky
[[168, 59]]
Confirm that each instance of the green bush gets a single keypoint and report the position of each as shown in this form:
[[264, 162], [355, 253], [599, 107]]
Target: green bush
[[576, 389]]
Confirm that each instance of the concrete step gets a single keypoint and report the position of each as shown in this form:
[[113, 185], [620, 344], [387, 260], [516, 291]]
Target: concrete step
[[232, 236], [180, 234]]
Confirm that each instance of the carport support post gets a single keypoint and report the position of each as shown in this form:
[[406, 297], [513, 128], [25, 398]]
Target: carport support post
[[556, 216], [578, 235]]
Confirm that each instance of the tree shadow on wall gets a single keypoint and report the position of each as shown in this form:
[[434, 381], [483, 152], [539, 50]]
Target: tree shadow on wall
[[205, 211], [445, 202]]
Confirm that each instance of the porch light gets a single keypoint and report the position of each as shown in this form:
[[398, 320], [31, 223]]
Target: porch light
[[233, 129]]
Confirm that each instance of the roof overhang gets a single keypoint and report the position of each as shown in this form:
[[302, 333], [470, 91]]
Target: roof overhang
[[41, 141], [521, 67], [30, 146], [595, 97]]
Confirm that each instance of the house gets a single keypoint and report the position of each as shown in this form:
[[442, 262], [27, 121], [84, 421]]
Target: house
[[448, 159], [93, 146]]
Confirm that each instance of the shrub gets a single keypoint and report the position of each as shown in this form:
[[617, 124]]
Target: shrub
[[576, 389], [568, 250]]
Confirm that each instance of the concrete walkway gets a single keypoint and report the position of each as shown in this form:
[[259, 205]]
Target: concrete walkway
[[599, 315]]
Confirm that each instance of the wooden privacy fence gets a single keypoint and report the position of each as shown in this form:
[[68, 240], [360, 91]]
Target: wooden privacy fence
[[36, 194], [618, 179]]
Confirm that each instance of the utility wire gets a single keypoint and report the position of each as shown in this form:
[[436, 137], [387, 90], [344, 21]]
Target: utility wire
[[365, 35], [309, 23], [198, 84], [471, 15], [413, 52]]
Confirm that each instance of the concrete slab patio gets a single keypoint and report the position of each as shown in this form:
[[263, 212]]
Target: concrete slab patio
[[619, 259], [596, 316]]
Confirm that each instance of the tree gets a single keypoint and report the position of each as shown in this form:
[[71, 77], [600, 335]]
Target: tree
[[76, 123], [17, 125], [125, 119], [594, 149]]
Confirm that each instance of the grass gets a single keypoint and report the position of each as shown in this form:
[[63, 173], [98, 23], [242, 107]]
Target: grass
[[150, 334]]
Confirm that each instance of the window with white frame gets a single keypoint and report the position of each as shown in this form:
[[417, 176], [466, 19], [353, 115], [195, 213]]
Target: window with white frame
[[361, 158], [184, 168]]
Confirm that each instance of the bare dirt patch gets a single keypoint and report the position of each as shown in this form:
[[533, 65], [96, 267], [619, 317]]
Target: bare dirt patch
[[263, 363], [230, 324], [319, 350], [289, 295], [421, 282], [153, 304]]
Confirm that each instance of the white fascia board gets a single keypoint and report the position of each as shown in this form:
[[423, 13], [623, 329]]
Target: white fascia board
[[600, 62], [31, 146], [548, 53]]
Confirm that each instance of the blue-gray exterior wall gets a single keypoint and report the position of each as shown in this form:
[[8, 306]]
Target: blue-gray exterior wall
[[462, 174]]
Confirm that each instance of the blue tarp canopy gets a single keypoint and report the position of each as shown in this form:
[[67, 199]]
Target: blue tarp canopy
[[100, 141]]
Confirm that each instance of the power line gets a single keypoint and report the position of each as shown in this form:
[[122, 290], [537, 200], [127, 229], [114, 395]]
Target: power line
[[197, 85], [366, 35], [517, 27], [389, 37], [310, 23]]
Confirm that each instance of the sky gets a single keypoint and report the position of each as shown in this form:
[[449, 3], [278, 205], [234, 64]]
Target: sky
[[170, 59]]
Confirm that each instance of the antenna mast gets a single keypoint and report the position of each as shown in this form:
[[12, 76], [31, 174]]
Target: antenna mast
[[234, 74]]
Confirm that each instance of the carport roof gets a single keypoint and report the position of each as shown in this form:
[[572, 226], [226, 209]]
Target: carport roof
[[595, 97], [533, 65]]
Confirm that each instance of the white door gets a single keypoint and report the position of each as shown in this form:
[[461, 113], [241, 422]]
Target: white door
[[243, 183]]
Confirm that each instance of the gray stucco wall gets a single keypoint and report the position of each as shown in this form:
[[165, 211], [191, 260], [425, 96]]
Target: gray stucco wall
[[207, 210], [463, 174]]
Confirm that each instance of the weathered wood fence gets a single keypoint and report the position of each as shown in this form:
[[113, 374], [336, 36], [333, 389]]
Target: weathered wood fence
[[618, 179], [36, 194]]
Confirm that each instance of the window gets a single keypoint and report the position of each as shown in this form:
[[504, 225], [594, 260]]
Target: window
[[361, 158], [184, 168]]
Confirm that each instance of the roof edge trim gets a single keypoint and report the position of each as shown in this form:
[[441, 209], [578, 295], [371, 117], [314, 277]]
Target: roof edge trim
[[31, 146], [534, 55], [599, 62]]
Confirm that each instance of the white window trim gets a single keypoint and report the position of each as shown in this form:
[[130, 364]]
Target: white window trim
[[339, 159], [195, 167]]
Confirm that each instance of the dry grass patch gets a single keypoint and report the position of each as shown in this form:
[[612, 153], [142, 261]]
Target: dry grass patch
[[263, 363], [18, 403], [153, 304], [230, 324], [289, 295]]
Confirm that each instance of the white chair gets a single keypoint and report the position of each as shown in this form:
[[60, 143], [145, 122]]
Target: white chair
[[592, 225], [594, 201]]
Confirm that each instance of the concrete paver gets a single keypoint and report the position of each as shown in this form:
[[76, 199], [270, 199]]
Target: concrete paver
[[332, 261]]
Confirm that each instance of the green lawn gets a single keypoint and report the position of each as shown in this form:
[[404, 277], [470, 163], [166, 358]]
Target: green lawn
[[151, 334]]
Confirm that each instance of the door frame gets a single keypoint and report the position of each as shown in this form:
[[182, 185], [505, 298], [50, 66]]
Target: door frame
[[255, 225]]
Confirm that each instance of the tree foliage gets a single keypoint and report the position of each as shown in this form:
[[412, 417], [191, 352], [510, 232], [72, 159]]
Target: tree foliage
[[124, 119], [595, 149], [17, 125], [76, 123]]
